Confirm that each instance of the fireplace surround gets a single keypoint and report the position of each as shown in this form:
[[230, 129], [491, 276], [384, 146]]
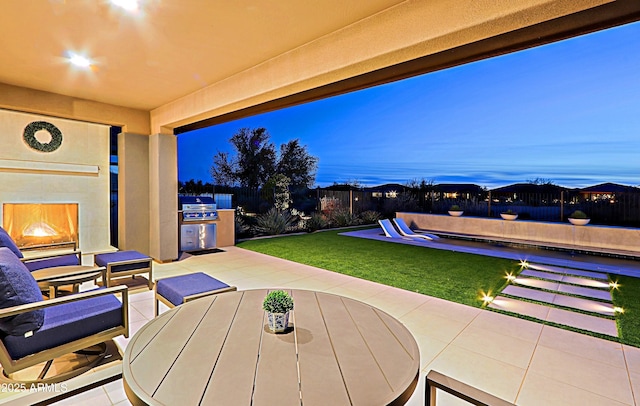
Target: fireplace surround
[[77, 172]]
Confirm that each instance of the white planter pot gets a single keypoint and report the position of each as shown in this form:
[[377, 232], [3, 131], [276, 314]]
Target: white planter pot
[[509, 217], [579, 222], [278, 322], [456, 213]]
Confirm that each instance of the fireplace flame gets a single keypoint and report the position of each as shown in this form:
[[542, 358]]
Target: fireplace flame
[[39, 229], [39, 224]]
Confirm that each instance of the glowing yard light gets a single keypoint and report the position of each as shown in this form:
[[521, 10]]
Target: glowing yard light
[[524, 264], [487, 298], [510, 277], [618, 310], [613, 284]]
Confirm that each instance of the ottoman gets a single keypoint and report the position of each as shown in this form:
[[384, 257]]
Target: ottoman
[[125, 263], [177, 290]]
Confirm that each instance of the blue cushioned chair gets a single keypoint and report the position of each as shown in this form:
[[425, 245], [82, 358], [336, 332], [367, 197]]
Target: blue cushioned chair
[[33, 331], [48, 259], [41, 261], [177, 290]]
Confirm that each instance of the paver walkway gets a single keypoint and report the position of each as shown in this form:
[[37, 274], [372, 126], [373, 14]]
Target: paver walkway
[[561, 275], [539, 286]]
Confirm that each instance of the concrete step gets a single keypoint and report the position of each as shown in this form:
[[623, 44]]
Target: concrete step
[[564, 288], [551, 276], [568, 271], [586, 292], [565, 317], [587, 305]]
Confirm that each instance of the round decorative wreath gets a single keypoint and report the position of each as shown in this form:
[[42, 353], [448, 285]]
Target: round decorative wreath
[[31, 140]]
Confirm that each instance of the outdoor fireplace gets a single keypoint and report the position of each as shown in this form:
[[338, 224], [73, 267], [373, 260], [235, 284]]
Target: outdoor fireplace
[[36, 224]]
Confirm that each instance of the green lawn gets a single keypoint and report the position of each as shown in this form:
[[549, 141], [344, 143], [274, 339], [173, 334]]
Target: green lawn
[[454, 276], [458, 277], [627, 296]]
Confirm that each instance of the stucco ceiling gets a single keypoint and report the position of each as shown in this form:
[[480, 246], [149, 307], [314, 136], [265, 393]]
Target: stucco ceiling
[[164, 51]]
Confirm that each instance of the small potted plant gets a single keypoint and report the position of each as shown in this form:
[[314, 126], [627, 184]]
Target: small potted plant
[[509, 215], [277, 304], [455, 211], [579, 218]]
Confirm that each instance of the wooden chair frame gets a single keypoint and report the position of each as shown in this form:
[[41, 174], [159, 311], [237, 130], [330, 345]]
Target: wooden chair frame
[[10, 365], [110, 274]]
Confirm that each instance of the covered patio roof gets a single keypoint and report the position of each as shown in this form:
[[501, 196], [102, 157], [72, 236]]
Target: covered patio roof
[[193, 63], [174, 66]]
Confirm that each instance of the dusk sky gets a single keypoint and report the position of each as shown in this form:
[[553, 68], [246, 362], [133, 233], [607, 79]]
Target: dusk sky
[[568, 112]]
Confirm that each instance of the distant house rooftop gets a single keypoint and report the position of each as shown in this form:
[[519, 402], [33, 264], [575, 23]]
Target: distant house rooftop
[[529, 188], [458, 187], [609, 188]]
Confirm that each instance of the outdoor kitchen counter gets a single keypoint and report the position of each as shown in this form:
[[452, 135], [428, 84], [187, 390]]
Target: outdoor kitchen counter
[[218, 350]]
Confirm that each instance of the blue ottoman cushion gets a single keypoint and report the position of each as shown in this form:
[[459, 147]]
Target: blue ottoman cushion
[[68, 322], [174, 289], [105, 259], [7, 241], [18, 287], [63, 260]]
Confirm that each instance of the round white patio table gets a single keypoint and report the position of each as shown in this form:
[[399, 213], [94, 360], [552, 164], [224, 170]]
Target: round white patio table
[[218, 351]]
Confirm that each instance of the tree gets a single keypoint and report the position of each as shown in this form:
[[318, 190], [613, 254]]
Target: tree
[[541, 182], [297, 164], [255, 161], [191, 187], [222, 171]]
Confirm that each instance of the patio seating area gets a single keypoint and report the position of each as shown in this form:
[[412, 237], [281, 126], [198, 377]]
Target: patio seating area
[[519, 361]]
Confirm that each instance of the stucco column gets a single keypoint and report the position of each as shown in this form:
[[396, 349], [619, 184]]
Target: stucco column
[[163, 197], [133, 192]]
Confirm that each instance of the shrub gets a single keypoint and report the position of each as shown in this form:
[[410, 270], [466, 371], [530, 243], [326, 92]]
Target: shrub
[[578, 215], [277, 301], [509, 212], [370, 217], [274, 222], [241, 227], [343, 218], [316, 222], [403, 202], [329, 204], [455, 207], [276, 190]]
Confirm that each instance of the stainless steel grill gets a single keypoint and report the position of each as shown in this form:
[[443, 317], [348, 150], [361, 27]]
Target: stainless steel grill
[[197, 216]]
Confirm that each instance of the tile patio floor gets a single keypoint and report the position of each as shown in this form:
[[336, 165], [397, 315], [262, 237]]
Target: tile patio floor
[[517, 360]]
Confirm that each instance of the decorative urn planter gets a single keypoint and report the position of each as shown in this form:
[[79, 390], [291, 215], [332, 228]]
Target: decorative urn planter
[[277, 304], [509, 216], [278, 322], [579, 218], [579, 222], [455, 211]]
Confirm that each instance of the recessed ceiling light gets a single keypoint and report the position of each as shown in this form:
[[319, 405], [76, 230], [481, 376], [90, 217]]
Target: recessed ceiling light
[[129, 5], [79, 60]]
